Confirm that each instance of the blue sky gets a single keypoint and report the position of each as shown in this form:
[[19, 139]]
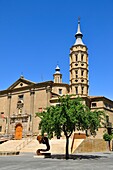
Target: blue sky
[[35, 35]]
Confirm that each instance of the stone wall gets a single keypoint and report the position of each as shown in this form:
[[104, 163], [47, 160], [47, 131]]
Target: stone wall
[[92, 145]]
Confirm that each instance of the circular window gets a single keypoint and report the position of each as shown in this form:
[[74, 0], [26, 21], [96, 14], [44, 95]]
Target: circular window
[[21, 84]]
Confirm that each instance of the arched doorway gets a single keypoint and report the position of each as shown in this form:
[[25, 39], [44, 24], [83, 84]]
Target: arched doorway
[[18, 131]]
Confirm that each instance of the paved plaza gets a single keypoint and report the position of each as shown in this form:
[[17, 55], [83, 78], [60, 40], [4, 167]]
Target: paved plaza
[[29, 161]]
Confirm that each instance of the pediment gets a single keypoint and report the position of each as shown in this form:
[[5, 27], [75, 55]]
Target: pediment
[[21, 82]]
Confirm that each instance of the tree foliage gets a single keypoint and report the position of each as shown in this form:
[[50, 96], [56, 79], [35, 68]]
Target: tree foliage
[[107, 137], [67, 116]]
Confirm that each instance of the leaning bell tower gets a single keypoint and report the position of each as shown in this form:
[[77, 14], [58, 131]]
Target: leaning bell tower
[[79, 66]]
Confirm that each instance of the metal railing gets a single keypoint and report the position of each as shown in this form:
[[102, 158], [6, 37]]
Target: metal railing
[[24, 143]]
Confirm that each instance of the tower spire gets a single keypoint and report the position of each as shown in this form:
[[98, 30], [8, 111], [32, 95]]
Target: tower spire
[[57, 75], [78, 35], [79, 66]]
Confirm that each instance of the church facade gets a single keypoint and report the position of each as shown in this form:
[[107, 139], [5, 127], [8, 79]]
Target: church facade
[[20, 101]]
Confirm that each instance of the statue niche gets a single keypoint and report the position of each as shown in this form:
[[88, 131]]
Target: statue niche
[[20, 104]]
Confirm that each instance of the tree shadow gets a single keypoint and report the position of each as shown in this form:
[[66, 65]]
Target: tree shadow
[[75, 157]]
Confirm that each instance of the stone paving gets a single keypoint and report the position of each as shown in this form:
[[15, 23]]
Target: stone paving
[[29, 161]]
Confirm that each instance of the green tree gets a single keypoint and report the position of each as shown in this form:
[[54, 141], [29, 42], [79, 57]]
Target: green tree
[[108, 137], [69, 115]]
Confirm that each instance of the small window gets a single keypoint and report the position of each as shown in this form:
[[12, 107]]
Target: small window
[[107, 119], [60, 91], [94, 104], [40, 109], [20, 97], [58, 80], [0, 128], [76, 90], [82, 57], [2, 115], [21, 84], [76, 80], [76, 72], [76, 57], [82, 90], [82, 73], [76, 64]]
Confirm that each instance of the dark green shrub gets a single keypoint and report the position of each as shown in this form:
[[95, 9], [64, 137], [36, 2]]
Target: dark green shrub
[[107, 137]]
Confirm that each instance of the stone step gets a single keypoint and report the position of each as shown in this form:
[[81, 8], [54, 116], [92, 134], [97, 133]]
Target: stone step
[[9, 152], [11, 145], [57, 146]]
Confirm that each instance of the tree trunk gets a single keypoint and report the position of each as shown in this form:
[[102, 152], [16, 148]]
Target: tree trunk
[[109, 145], [67, 147]]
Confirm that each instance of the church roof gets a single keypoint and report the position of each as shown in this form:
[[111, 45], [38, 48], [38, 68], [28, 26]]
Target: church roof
[[21, 82]]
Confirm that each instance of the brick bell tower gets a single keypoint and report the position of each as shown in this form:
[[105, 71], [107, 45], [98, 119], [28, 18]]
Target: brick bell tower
[[79, 66]]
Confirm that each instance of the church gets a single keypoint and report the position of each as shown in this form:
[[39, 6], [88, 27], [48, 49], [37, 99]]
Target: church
[[20, 101]]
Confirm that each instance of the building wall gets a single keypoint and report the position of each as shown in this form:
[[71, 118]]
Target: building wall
[[56, 89], [20, 106]]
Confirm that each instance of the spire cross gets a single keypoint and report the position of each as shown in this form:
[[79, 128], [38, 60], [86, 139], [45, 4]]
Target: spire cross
[[78, 19], [22, 76], [57, 62]]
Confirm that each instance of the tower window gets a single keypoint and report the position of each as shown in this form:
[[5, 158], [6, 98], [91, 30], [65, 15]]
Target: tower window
[[76, 90], [82, 57], [82, 73], [60, 91], [0, 128], [82, 90], [58, 80], [94, 104], [76, 57], [76, 73]]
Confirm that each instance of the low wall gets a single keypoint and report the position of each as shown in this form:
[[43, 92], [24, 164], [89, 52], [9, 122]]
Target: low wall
[[92, 145]]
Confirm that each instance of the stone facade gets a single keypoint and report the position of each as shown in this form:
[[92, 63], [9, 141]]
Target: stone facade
[[20, 102]]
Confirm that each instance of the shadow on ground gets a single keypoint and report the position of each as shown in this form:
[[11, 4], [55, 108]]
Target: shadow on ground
[[62, 156]]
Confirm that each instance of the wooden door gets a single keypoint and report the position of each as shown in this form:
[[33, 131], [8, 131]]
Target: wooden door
[[18, 131]]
